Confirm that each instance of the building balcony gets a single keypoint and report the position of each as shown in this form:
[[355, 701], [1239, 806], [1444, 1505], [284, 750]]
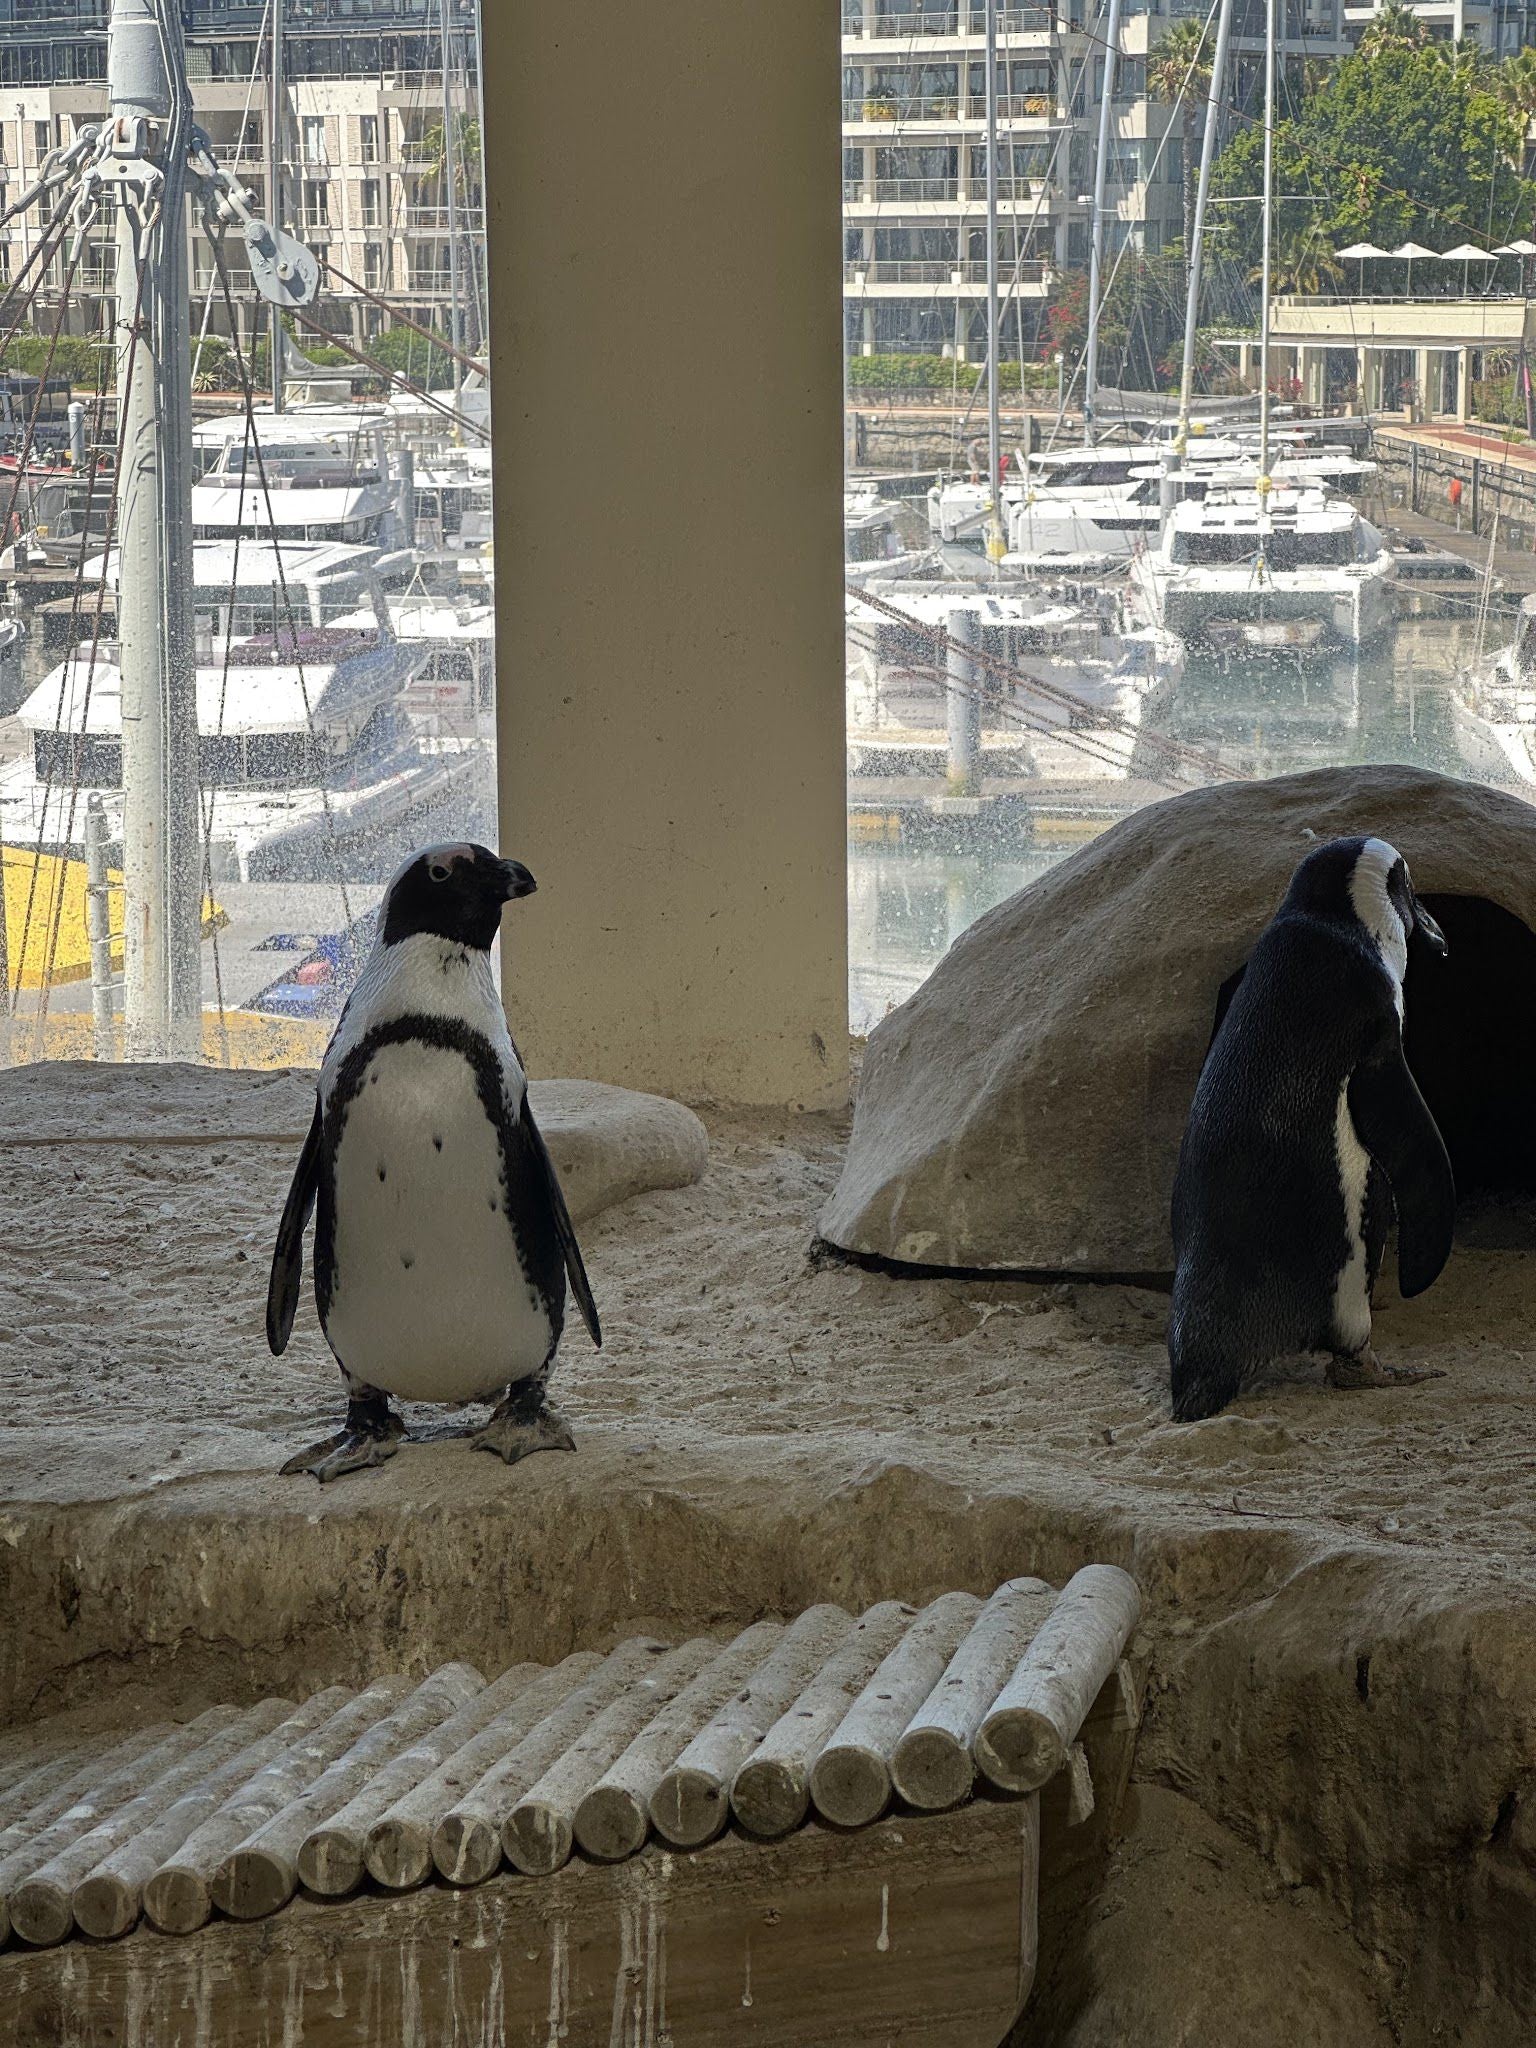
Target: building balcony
[[879, 112], [942, 193], [966, 274], [934, 28]]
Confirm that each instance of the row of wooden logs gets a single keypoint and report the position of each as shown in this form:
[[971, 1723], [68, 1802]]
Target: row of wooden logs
[[238, 1808]]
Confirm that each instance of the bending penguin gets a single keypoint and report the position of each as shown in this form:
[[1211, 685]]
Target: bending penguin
[[1307, 1129], [442, 1241]]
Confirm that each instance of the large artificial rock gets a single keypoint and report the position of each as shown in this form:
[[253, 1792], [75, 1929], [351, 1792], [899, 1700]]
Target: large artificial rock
[[1024, 1109], [607, 1143]]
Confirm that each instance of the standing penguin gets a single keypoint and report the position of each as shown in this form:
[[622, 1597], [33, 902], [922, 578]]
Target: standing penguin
[[1306, 1130], [442, 1243]]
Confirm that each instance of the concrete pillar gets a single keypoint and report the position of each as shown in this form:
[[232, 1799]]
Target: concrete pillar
[[669, 545], [1463, 384], [1314, 376], [1421, 382], [1362, 371]]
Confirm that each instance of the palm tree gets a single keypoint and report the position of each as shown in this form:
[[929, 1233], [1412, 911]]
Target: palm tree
[[1301, 263], [1179, 74], [1514, 82], [1396, 27]]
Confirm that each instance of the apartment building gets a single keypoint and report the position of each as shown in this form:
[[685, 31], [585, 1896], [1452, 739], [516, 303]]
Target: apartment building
[[361, 145], [914, 153]]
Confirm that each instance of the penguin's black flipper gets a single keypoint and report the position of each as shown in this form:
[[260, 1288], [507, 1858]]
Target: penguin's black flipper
[[288, 1253], [533, 1139], [1394, 1124]]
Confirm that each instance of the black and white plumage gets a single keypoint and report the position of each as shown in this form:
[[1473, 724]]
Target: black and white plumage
[[1306, 1132], [443, 1245]]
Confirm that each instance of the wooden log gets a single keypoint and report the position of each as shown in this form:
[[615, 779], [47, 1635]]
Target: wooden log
[[179, 1897], [397, 1849], [466, 1843], [109, 1900], [31, 1783], [851, 1778], [1025, 1737], [932, 1766], [921, 1932], [537, 1834], [261, 1874], [614, 1818], [331, 1855], [693, 1801], [42, 1908], [59, 1794], [771, 1793], [124, 1772]]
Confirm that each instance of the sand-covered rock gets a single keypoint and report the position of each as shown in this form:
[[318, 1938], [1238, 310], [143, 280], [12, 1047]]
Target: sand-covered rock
[[607, 1143], [1024, 1109]]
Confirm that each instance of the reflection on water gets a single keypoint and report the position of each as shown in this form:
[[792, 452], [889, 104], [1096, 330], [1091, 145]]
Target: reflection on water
[[1403, 701]]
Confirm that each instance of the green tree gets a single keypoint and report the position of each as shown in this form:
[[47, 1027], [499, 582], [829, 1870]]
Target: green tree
[[1399, 143], [1179, 71]]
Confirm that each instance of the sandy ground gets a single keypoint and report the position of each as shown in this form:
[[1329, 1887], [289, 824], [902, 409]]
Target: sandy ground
[[131, 1345], [1340, 1586]]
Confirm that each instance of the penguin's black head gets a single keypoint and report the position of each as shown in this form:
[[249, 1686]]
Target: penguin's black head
[[453, 892], [1363, 879]]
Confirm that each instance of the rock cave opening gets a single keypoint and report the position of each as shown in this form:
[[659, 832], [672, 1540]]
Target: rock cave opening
[[1470, 1037]]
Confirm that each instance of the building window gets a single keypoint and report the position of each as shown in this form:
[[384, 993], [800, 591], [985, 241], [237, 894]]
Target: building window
[[368, 138], [312, 130], [42, 139], [373, 205], [317, 205], [373, 266]]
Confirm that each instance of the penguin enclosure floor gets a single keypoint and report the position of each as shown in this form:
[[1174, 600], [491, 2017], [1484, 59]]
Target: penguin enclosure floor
[[1330, 1832]]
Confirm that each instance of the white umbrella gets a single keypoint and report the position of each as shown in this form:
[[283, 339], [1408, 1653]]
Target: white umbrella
[[1466, 255], [1409, 250], [1360, 252], [1520, 248]]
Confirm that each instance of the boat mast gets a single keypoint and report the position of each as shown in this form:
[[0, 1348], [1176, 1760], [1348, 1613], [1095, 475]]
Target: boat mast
[[1174, 457], [996, 544], [275, 187], [151, 117], [451, 173], [1268, 231], [1096, 246]]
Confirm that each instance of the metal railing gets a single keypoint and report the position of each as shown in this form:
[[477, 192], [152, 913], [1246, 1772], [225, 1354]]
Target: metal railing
[[935, 270], [888, 107], [946, 191], [1011, 21]]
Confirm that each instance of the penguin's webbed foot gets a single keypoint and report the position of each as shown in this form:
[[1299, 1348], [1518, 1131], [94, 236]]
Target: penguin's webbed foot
[[525, 1420], [370, 1436], [1355, 1370]]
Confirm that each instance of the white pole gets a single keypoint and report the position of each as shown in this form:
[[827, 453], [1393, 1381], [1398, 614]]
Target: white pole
[[147, 89], [1096, 246], [1197, 243], [275, 190], [451, 173], [98, 920], [1268, 218], [996, 545]]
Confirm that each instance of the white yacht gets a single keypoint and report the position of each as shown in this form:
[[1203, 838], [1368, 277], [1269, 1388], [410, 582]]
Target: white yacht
[[250, 586], [13, 640], [455, 688], [1494, 710], [306, 484], [310, 770], [1298, 570]]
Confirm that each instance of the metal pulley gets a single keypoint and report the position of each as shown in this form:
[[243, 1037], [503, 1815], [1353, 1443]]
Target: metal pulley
[[284, 270]]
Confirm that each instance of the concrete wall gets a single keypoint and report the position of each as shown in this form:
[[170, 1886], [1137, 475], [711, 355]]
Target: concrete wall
[[662, 194]]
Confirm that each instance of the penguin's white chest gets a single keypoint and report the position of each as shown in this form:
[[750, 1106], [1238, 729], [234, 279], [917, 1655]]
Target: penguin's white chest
[[428, 1298], [1352, 1294]]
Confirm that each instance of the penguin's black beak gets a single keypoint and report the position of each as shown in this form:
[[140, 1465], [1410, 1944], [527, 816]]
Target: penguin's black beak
[[516, 880], [1428, 930]]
